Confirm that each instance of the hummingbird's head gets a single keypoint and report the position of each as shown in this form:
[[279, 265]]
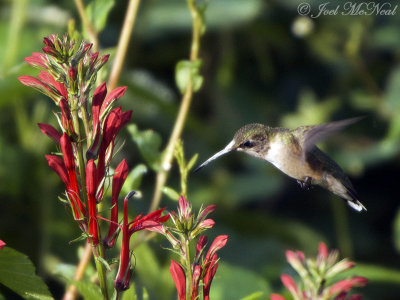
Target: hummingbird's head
[[251, 139]]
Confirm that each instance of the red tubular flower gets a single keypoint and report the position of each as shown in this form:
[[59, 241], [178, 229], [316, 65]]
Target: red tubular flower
[[218, 243], [120, 174], [37, 84], [91, 187], [112, 125], [113, 96], [290, 284], [2, 244], [72, 189], [346, 285], [276, 297], [201, 243], [57, 87], [57, 164], [322, 251], [66, 116], [128, 228], [50, 131], [208, 210], [37, 60], [121, 282], [195, 281], [178, 275], [209, 276]]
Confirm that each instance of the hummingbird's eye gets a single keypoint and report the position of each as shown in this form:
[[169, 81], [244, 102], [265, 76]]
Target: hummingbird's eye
[[247, 144]]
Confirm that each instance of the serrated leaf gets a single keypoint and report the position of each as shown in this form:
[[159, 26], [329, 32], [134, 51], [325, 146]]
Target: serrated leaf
[[18, 274], [98, 11], [149, 143], [171, 193], [186, 72], [88, 290]]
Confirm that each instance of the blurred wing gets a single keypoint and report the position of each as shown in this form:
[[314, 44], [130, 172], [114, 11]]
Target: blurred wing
[[317, 133]]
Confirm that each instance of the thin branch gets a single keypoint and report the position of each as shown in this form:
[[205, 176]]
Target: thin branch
[[166, 163], [72, 292], [123, 43]]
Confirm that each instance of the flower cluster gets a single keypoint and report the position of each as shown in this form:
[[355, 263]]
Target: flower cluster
[[191, 275], [317, 275], [89, 124]]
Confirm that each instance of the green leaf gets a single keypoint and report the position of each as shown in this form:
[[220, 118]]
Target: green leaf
[[192, 162], [188, 72], [130, 294], [241, 282], [149, 143], [253, 296], [171, 193], [104, 262], [18, 274], [88, 290], [98, 11], [375, 273], [134, 179]]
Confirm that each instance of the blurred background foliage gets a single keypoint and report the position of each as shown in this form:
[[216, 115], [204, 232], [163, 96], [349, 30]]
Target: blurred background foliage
[[261, 62]]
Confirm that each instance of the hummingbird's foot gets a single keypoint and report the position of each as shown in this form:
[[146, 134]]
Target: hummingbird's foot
[[306, 184]]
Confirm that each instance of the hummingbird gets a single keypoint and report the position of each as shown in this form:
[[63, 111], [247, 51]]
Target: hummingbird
[[293, 151]]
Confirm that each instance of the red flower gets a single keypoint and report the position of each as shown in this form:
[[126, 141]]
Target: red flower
[[37, 60], [91, 187], [112, 125], [72, 189], [195, 281], [139, 223], [2, 244], [209, 275], [178, 275], [290, 284], [346, 285], [50, 131], [120, 174], [276, 297]]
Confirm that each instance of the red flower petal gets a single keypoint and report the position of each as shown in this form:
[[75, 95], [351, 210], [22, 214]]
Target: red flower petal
[[50, 131], [113, 96], [290, 284], [37, 60], [178, 275], [276, 297], [91, 187], [57, 164], [218, 243], [2, 244]]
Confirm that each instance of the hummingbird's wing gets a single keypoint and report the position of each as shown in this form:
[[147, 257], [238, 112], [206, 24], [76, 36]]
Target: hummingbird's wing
[[314, 134]]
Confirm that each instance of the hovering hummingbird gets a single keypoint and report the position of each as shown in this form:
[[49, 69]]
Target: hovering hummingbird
[[294, 153]]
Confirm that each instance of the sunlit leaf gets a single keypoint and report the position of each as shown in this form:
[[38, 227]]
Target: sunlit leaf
[[241, 282], [134, 179], [188, 72], [89, 290], [171, 193], [98, 11], [18, 274]]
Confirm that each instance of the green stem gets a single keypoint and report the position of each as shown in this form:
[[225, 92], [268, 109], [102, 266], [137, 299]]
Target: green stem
[[98, 251], [166, 162], [189, 279], [81, 161]]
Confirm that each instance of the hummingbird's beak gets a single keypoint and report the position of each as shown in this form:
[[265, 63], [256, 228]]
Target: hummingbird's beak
[[227, 149]]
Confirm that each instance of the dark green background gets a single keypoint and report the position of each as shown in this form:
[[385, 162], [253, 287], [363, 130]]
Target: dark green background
[[255, 70]]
